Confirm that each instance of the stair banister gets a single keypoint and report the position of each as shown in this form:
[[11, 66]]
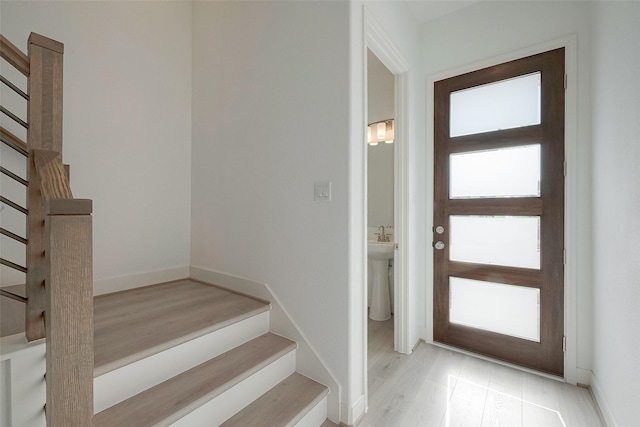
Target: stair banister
[[60, 246], [59, 272]]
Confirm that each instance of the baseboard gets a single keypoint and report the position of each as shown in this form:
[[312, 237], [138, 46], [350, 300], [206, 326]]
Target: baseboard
[[354, 413], [583, 377], [116, 284], [308, 361], [601, 402]]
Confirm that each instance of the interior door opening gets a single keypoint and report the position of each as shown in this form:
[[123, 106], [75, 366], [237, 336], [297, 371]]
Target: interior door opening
[[381, 206]]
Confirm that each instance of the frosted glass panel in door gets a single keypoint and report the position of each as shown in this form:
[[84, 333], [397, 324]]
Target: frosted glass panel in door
[[506, 309], [505, 104], [499, 240], [505, 172]]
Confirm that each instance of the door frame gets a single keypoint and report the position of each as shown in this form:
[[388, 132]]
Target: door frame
[[384, 49], [571, 373]]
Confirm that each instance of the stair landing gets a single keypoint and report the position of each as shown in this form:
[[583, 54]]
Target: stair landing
[[137, 323]]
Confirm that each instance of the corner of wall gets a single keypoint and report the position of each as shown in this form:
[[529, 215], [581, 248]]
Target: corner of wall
[[116, 284], [601, 402]]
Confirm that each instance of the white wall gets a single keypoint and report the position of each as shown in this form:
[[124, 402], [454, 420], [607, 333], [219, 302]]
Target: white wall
[[616, 203], [464, 38], [270, 117], [127, 126]]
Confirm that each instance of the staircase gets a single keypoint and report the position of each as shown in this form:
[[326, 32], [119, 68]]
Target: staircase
[[191, 354], [180, 353]]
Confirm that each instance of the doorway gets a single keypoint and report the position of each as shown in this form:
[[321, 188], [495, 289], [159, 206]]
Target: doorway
[[499, 212], [380, 191], [379, 44]]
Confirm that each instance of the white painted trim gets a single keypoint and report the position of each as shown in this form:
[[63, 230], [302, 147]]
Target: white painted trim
[[571, 134], [602, 403], [308, 361], [23, 388], [583, 376], [355, 413], [131, 281], [383, 47]]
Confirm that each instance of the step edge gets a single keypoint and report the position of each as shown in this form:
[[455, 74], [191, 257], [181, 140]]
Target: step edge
[[175, 416], [140, 355], [323, 392], [211, 394], [320, 405], [312, 404], [110, 390]]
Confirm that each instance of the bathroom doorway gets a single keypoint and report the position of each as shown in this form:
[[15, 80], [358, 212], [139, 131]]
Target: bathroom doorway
[[379, 47], [380, 181], [387, 112], [395, 332]]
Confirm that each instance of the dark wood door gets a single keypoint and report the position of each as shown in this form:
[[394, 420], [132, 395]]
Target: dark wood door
[[499, 212]]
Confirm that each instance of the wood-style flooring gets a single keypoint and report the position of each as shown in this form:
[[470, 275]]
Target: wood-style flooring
[[137, 323], [436, 387]]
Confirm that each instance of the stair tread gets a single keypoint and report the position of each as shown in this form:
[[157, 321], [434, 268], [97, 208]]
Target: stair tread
[[136, 323], [283, 405], [171, 400]]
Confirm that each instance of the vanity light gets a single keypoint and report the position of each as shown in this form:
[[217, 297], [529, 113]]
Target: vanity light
[[383, 132]]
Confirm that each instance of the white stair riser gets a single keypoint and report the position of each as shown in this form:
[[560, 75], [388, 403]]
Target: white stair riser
[[120, 384], [23, 389], [224, 406], [316, 416]]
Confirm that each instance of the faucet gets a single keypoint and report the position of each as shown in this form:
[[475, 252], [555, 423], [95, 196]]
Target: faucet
[[381, 236]]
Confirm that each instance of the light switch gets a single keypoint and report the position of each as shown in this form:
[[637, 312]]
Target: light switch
[[322, 191]]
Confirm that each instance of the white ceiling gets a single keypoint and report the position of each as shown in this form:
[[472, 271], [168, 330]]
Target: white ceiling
[[427, 10]]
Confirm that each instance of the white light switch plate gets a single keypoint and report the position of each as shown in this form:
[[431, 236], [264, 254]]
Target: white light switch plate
[[322, 191]]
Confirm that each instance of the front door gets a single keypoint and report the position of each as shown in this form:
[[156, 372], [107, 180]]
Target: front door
[[499, 212]]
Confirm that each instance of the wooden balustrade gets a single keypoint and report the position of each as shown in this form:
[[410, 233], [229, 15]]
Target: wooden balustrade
[[59, 276], [69, 294]]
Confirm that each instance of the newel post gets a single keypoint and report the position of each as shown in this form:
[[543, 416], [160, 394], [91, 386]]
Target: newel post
[[69, 314], [44, 133]]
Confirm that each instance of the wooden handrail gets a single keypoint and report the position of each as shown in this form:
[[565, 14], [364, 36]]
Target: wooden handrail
[[51, 172], [14, 56]]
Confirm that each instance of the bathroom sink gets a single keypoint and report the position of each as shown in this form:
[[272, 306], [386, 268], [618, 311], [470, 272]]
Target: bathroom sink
[[380, 250], [379, 254]]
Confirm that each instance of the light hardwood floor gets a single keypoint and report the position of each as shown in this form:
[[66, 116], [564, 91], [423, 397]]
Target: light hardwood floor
[[436, 387], [134, 324]]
